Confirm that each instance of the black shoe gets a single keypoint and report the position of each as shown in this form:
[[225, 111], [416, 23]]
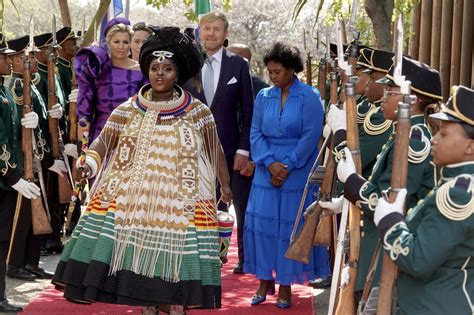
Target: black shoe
[[239, 268], [40, 273], [20, 273], [54, 247], [321, 283], [6, 307]]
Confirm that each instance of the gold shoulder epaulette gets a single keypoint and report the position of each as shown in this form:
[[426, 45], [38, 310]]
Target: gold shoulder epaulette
[[372, 129], [455, 199], [418, 156], [360, 113]]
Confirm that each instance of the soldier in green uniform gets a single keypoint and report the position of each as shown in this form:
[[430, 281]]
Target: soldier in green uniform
[[434, 244], [53, 241], [364, 192], [67, 40], [24, 259], [11, 166], [374, 132]]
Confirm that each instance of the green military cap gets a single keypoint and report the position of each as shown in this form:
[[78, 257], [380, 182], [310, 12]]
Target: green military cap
[[4, 47], [64, 34], [460, 106], [381, 60], [424, 79], [19, 44], [43, 40]]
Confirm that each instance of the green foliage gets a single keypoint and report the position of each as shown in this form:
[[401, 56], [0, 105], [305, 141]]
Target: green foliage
[[190, 14]]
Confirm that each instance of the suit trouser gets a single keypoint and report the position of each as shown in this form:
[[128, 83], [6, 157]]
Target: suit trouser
[[26, 245], [241, 186], [8, 199]]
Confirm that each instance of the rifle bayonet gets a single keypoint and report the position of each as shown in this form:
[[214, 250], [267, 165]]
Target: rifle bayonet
[[340, 53]]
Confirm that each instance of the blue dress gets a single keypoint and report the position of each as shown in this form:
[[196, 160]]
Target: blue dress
[[290, 136]]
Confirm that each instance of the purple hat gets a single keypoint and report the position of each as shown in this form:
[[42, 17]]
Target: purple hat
[[115, 21]]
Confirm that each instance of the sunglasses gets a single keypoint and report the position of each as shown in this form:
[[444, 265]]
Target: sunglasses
[[387, 93]]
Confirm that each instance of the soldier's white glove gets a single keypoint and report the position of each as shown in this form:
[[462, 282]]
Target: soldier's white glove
[[336, 119], [56, 111], [346, 166], [73, 96], [71, 150], [384, 207], [30, 120], [345, 277], [326, 131], [27, 189], [58, 167], [335, 205]]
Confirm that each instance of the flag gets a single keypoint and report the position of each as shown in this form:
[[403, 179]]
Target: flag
[[201, 7], [115, 8]]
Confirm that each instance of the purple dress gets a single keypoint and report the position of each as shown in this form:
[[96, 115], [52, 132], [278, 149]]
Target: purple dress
[[102, 87]]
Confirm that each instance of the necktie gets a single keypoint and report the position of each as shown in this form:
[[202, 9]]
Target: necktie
[[209, 82]]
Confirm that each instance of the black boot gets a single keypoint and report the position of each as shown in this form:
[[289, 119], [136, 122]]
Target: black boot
[[6, 307]]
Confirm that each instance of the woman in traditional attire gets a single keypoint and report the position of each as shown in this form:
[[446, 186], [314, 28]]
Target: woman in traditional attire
[[286, 128], [106, 77], [149, 235]]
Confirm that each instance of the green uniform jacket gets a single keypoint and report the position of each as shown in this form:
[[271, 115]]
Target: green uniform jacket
[[11, 155], [15, 84], [433, 247], [42, 86], [365, 193], [65, 76]]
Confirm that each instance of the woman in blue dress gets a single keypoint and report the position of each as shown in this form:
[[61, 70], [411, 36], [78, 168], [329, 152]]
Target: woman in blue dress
[[286, 128]]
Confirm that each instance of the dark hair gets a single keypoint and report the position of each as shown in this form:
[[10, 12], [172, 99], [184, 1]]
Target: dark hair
[[186, 57], [141, 26], [288, 56], [469, 129]]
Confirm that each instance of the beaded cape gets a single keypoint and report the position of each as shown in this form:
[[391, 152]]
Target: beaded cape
[[159, 164]]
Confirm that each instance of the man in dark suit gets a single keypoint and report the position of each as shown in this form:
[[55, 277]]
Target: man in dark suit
[[227, 90]]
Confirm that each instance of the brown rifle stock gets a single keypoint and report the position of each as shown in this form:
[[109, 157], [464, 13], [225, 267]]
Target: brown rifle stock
[[309, 70], [322, 78], [52, 100], [398, 181], [39, 218], [347, 304]]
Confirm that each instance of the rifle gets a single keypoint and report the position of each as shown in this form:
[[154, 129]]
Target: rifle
[[399, 172], [300, 247], [40, 216], [57, 145], [309, 69], [346, 303]]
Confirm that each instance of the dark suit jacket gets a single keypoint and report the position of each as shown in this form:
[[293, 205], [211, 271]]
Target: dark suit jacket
[[232, 106]]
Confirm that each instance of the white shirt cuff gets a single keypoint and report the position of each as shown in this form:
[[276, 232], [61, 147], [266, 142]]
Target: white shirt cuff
[[243, 152]]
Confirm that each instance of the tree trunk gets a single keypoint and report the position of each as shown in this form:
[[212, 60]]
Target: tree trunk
[[415, 30], [380, 12], [95, 23], [65, 16]]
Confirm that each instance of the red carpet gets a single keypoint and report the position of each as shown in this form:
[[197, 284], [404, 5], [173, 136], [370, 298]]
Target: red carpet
[[236, 293]]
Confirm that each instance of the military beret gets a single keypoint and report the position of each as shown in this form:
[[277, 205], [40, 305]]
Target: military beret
[[64, 34], [4, 47], [382, 60], [42, 40], [460, 106], [424, 79]]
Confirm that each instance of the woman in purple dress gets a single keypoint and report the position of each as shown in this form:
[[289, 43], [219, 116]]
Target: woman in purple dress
[[106, 78]]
